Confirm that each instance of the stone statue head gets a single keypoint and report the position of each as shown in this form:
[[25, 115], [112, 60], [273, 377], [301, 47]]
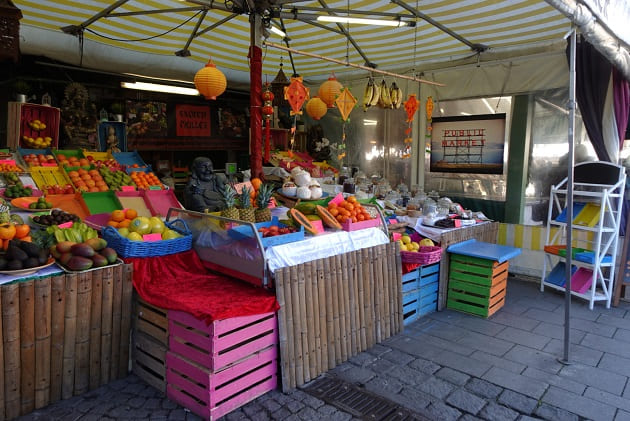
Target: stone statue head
[[203, 168]]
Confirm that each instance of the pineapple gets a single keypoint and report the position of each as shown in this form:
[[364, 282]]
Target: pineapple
[[263, 213], [246, 212], [229, 201]]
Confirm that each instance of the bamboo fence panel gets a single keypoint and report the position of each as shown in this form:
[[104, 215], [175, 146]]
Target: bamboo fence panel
[[335, 307], [487, 232], [52, 336], [27, 346]]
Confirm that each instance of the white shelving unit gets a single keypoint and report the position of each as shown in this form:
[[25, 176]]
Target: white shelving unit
[[595, 183]]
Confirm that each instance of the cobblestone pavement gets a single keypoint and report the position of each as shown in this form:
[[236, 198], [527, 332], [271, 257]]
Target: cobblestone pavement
[[445, 366]]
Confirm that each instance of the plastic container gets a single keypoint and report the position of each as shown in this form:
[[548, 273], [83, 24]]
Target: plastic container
[[243, 232], [22, 152], [100, 202], [355, 226], [128, 159], [78, 153]]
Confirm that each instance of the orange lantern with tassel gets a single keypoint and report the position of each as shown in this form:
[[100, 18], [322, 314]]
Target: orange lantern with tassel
[[210, 81], [329, 90], [316, 108]]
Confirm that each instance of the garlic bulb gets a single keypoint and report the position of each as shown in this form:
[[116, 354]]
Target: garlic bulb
[[289, 189], [303, 192], [302, 179]]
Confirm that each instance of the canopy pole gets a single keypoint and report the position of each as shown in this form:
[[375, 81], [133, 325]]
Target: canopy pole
[[569, 202], [358, 66], [255, 97]]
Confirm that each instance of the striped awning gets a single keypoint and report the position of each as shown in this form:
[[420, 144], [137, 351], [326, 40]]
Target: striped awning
[[145, 35]]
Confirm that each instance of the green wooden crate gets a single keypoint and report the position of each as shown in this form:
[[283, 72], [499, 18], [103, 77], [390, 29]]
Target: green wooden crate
[[475, 285]]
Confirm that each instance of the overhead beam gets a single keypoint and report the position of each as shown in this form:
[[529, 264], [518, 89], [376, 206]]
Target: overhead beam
[[358, 12], [77, 29], [153, 12], [185, 52]]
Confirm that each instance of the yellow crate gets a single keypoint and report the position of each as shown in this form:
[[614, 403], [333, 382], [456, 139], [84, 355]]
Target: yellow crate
[[98, 156], [49, 176]]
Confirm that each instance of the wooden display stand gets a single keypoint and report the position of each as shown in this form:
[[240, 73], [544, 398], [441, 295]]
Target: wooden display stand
[[20, 114], [62, 336]]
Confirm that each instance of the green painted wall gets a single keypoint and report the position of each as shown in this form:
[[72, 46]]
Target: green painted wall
[[518, 159]]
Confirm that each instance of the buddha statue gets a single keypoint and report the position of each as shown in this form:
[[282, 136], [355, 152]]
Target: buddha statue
[[203, 191]]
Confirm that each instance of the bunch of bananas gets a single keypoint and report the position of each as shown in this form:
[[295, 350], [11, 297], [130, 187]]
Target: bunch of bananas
[[371, 94], [385, 100], [396, 96]]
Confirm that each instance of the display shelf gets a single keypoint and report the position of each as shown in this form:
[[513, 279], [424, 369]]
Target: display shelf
[[600, 186], [19, 117]]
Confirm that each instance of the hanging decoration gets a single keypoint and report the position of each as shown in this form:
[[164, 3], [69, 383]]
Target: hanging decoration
[[277, 87], [429, 112], [210, 81], [411, 106], [345, 103], [296, 94], [267, 112], [316, 108], [330, 90]]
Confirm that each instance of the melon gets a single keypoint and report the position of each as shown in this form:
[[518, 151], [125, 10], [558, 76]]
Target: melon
[[300, 219], [426, 242], [327, 218]]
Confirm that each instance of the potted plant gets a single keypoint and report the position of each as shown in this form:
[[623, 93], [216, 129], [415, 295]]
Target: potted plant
[[118, 109], [22, 90]]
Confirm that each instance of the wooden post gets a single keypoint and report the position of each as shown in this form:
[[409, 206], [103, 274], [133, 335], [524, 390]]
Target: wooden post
[[309, 334], [11, 344], [336, 309], [323, 312], [316, 356], [106, 323], [27, 346], [43, 328], [346, 277], [116, 317], [125, 320], [387, 281], [283, 329], [399, 285], [58, 316], [288, 300], [297, 320], [96, 304], [82, 341], [70, 334], [354, 303], [2, 378]]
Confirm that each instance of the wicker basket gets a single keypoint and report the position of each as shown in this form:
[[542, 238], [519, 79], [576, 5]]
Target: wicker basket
[[127, 248], [424, 256]]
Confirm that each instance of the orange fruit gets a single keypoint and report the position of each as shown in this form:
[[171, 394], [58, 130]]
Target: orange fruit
[[102, 188], [90, 183], [124, 223], [256, 182], [118, 216], [131, 213], [112, 224], [93, 189]]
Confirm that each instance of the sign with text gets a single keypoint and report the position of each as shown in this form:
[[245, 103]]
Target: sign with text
[[192, 120], [468, 144]]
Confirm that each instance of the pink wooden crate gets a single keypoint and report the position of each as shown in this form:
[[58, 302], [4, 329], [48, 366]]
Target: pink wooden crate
[[223, 342], [212, 395]]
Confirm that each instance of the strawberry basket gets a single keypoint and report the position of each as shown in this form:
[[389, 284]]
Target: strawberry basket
[[127, 248], [424, 256]]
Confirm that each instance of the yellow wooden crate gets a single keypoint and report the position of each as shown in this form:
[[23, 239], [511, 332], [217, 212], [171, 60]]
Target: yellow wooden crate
[[98, 156], [49, 176]]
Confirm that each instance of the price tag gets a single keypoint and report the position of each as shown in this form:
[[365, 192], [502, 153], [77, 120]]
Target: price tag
[[127, 188], [152, 237], [155, 187], [396, 236], [65, 225]]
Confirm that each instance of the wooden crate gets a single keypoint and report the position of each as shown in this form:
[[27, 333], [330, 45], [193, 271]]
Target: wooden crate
[[20, 114], [150, 343], [475, 285], [223, 342], [213, 394], [420, 292]]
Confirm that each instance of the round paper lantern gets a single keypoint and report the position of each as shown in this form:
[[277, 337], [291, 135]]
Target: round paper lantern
[[267, 110], [267, 96], [329, 91], [210, 81], [316, 108]]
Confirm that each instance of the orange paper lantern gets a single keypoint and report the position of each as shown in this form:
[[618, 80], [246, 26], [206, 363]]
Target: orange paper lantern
[[329, 91], [316, 108], [210, 81]]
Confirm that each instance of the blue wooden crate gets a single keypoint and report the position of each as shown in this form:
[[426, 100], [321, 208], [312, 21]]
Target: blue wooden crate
[[410, 301], [420, 276], [244, 232], [120, 131], [410, 280]]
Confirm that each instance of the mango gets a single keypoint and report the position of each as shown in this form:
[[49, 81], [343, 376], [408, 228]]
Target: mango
[[99, 260], [110, 254], [79, 263], [65, 258], [82, 250], [65, 246], [96, 243], [55, 253]]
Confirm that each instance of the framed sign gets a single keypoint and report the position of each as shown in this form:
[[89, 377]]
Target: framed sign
[[192, 120], [468, 144]]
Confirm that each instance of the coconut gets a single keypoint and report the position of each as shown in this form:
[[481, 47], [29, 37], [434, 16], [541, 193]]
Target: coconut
[[289, 189], [316, 190], [302, 179], [296, 170], [303, 192]]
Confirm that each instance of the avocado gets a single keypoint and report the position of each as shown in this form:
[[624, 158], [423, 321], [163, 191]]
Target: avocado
[[43, 257], [15, 265], [31, 262], [3, 263], [30, 248], [16, 253]]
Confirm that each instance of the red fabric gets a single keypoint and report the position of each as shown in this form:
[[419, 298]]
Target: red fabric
[[181, 282], [408, 267]]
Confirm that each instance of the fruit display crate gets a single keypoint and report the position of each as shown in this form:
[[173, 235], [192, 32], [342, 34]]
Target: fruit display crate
[[476, 285], [127, 248], [20, 114], [149, 343], [100, 202], [71, 203], [129, 159], [160, 201], [77, 153], [49, 176], [420, 292], [23, 152], [98, 156], [134, 200], [216, 368], [119, 131], [244, 233]]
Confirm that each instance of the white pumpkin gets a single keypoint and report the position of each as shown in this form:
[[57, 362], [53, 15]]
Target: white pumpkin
[[302, 179], [303, 192], [316, 191], [289, 189]]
